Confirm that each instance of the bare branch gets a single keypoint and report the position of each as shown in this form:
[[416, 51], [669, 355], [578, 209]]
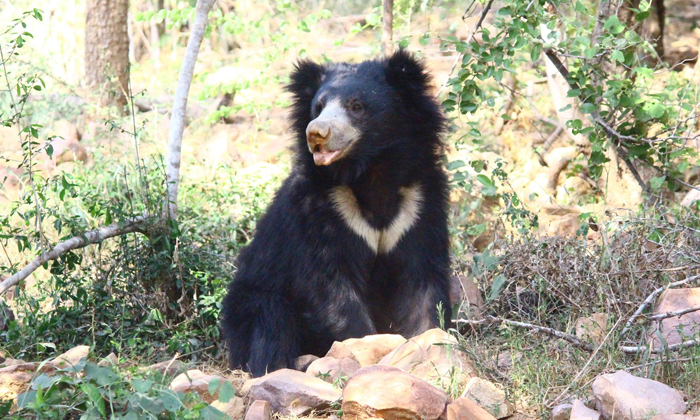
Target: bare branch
[[680, 313], [651, 298], [388, 26], [537, 328], [92, 237], [177, 119], [663, 349]]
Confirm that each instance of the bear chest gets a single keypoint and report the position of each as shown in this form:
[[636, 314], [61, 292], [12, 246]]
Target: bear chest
[[379, 240]]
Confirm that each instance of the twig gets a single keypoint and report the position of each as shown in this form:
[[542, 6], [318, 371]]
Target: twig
[[537, 328], [92, 237], [672, 347], [651, 298], [459, 57], [659, 317]]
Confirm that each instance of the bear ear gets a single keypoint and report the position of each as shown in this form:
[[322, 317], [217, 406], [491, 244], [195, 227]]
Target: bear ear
[[404, 71], [305, 80]]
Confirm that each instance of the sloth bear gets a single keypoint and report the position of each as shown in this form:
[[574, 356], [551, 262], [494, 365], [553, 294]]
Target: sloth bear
[[355, 242]]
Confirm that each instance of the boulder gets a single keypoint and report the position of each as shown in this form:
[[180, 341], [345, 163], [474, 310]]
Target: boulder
[[13, 383], [259, 410], [331, 369], [390, 393], [431, 356], [291, 392], [579, 411], [368, 350], [562, 412], [489, 397], [626, 397], [466, 409], [302, 363], [110, 360], [675, 417], [72, 357], [196, 381], [168, 367], [690, 198], [234, 408], [676, 329]]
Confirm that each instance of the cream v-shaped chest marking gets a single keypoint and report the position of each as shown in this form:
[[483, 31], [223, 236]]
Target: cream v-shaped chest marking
[[380, 240]]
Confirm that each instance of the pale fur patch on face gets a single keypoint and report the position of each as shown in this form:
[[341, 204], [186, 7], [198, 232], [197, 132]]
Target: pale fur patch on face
[[380, 240]]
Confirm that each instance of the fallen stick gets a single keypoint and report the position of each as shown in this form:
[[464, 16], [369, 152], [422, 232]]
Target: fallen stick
[[79, 241]]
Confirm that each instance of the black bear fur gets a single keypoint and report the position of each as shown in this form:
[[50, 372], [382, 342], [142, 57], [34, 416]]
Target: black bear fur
[[307, 279]]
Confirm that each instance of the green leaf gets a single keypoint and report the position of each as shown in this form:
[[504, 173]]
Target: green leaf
[[455, 164], [656, 182], [226, 392], [142, 386], [654, 109], [613, 25], [618, 56], [497, 286], [536, 51], [588, 108]]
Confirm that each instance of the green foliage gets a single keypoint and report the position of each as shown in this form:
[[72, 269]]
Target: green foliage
[[90, 391], [613, 73]]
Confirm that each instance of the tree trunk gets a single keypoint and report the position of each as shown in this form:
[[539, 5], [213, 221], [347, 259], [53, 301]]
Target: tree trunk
[[388, 26], [107, 50]]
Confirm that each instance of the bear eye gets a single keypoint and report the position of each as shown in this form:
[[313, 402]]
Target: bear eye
[[319, 107], [356, 106]]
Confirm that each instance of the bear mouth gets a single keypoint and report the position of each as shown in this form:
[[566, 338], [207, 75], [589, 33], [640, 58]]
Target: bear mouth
[[324, 157]]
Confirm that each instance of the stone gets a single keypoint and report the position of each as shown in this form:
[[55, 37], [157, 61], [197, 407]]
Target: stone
[[259, 410], [433, 357], [332, 370], [489, 397], [675, 417], [690, 198], [234, 408], [561, 412], [368, 350], [72, 357], [302, 363], [291, 392], [627, 397], [466, 409], [592, 328], [110, 360], [390, 393], [196, 381], [12, 384], [168, 367], [579, 411], [673, 300], [65, 129]]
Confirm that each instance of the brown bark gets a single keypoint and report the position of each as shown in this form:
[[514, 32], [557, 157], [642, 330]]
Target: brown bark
[[388, 26], [107, 50]]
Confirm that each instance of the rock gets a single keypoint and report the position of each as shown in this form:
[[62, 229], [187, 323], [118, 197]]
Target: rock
[[272, 149], [302, 363], [487, 396], [579, 411], [431, 356], [215, 149], [466, 409], [29, 368], [691, 197], [675, 417], [592, 328], [68, 151], [561, 412], [13, 384], [234, 408], [506, 359], [626, 397], [72, 357], [390, 393], [10, 362], [259, 410], [368, 350], [110, 360], [196, 381], [168, 367], [673, 300], [331, 369], [291, 392]]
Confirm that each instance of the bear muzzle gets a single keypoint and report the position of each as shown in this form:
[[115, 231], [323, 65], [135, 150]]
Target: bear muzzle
[[330, 135]]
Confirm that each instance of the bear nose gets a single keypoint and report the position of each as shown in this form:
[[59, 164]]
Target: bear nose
[[318, 132]]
